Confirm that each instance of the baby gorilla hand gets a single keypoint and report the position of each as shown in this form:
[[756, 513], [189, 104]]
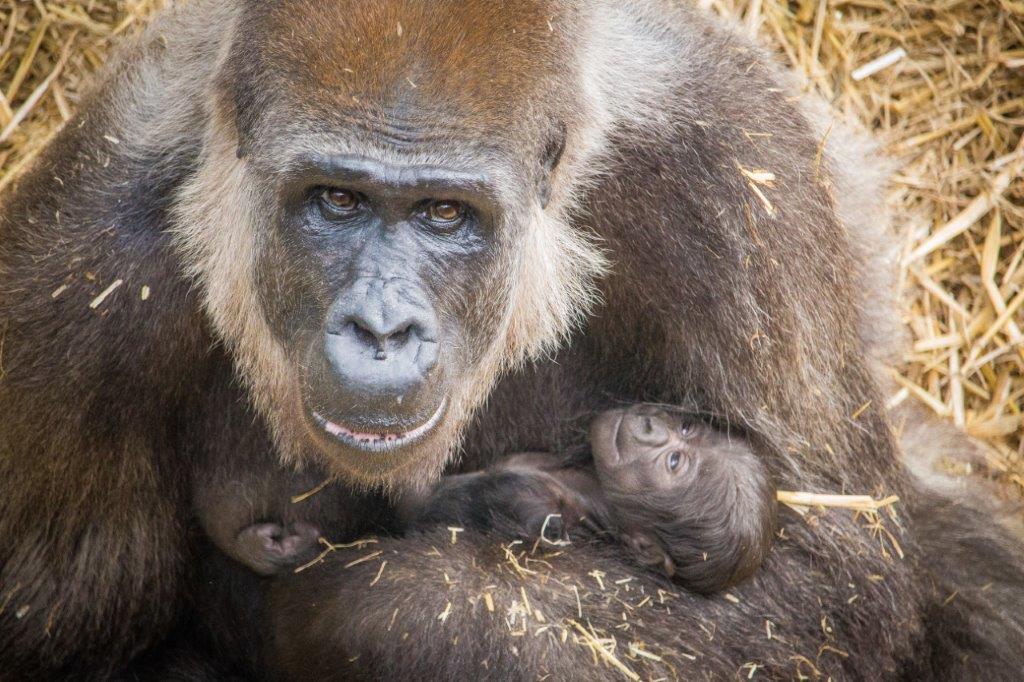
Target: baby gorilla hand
[[269, 548]]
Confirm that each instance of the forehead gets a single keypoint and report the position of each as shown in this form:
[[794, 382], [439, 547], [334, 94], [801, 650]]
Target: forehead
[[403, 66]]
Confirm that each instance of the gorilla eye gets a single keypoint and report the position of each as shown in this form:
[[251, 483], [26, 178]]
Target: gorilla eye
[[686, 429], [673, 461], [339, 201], [445, 213]]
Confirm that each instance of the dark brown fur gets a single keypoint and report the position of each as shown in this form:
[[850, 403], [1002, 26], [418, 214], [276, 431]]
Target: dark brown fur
[[686, 498], [170, 177]]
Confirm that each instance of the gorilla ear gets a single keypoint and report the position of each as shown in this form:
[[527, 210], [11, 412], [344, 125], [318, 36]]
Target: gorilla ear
[[552, 155], [649, 552]]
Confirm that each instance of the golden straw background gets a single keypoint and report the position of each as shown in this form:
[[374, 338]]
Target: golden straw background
[[949, 105]]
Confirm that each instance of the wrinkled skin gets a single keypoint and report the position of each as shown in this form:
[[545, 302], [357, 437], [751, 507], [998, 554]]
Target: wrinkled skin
[[680, 497]]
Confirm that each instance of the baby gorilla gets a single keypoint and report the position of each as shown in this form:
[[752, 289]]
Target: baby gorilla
[[682, 497]]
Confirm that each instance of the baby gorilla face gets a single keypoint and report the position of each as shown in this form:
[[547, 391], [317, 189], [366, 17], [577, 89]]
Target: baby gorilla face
[[686, 498], [644, 446]]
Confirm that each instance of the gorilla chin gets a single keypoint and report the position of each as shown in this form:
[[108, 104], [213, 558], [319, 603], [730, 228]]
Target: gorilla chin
[[369, 426]]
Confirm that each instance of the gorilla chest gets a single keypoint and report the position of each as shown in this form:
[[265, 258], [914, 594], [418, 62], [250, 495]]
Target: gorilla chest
[[547, 406]]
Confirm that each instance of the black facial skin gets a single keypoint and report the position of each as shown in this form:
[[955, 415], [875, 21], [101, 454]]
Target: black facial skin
[[372, 326]]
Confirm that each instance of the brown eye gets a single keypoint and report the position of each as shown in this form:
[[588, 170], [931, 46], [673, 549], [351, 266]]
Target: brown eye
[[686, 429], [339, 200], [445, 212], [673, 461]]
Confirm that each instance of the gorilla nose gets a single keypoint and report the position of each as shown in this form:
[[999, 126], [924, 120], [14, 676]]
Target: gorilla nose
[[383, 337], [382, 343]]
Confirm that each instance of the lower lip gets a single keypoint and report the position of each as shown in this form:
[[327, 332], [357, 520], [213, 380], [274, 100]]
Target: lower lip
[[379, 442]]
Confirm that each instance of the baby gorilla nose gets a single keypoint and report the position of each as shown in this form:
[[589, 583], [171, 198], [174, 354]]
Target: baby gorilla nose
[[623, 437]]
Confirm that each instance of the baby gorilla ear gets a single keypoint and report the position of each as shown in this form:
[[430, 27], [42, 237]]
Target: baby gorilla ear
[[649, 552]]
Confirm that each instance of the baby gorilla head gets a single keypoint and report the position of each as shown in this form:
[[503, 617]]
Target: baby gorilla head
[[687, 498]]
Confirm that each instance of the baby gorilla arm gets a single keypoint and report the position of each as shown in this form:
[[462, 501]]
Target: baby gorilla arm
[[243, 505], [526, 496]]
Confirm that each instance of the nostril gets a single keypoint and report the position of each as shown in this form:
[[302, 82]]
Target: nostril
[[401, 337], [364, 335]]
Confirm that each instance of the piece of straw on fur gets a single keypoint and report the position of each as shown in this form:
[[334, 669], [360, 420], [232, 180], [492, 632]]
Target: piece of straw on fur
[[854, 502]]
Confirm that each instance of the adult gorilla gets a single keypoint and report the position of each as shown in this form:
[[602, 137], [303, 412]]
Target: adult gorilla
[[322, 232]]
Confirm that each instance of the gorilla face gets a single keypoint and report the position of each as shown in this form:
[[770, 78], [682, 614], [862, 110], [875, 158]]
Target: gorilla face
[[375, 284]]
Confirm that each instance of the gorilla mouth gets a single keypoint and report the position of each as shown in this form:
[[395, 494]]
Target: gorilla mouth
[[379, 442]]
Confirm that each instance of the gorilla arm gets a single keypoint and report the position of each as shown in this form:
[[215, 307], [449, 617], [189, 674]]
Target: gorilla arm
[[421, 604], [93, 387], [92, 511]]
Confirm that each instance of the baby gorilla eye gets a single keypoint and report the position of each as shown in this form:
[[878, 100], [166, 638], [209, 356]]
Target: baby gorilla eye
[[339, 201], [445, 213], [673, 461]]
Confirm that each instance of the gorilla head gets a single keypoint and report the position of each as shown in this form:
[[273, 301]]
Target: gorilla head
[[387, 194]]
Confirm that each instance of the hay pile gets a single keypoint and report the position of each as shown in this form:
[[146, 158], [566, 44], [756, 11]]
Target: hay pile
[[942, 84], [941, 81], [48, 50]]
